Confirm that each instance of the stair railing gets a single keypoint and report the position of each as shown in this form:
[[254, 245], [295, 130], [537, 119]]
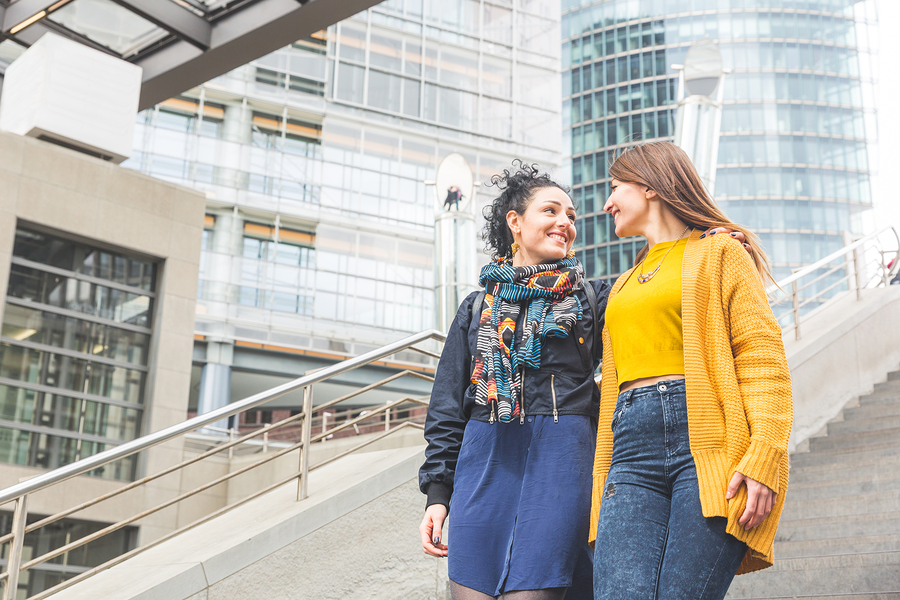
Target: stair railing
[[19, 493], [858, 265]]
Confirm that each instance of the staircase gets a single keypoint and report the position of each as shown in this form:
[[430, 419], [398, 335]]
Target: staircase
[[839, 536]]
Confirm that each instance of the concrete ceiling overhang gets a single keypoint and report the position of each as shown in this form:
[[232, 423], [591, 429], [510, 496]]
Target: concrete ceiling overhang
[[198, 40]]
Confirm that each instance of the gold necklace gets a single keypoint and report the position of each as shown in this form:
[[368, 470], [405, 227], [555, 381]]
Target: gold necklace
[[645, 278]]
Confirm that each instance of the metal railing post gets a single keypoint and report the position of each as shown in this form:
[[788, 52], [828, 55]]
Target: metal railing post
[[857, 266], [796, 298], [387, 418], [20, 517], [306, 435]]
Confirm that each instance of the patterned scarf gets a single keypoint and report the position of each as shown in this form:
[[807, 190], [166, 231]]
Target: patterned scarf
[[551, 310]]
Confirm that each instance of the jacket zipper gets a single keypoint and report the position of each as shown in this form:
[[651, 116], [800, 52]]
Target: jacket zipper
[[493, 405], [553, 393], [522, 398]]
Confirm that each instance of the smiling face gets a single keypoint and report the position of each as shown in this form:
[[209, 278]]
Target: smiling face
[[545, 232], [629, 204]]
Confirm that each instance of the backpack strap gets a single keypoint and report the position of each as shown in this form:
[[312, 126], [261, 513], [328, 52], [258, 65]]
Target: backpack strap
[[476, 308]]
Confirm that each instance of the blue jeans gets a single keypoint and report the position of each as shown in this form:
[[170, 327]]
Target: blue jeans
[[652, 539]]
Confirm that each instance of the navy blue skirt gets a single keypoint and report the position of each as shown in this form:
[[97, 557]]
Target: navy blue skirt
[[521, 503]]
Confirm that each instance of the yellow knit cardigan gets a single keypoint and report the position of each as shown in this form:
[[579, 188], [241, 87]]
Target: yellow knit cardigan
[[738, 390]]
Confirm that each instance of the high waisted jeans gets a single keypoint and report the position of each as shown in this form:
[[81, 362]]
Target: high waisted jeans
[[652, 539]]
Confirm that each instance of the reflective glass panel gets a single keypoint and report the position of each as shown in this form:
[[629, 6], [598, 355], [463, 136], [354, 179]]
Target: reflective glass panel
[[45, 451], [22, 405], [108, 24], [82, 296], [48, 368], [28, 324]]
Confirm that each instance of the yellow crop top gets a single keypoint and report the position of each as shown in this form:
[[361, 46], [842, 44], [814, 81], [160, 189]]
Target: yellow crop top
[[644, 319]]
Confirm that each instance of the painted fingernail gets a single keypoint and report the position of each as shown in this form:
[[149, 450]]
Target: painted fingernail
[[712, 233], [746, 245], [702, 236], [436, 541], [733, 234]]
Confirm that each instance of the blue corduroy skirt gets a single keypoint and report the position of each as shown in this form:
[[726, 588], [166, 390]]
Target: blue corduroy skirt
[[521, 503]]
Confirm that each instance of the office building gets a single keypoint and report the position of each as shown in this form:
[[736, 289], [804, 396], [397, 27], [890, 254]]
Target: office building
[[797, 121], [315, 161]]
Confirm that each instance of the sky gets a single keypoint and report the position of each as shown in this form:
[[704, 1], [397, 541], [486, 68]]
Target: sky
[[886, 186]]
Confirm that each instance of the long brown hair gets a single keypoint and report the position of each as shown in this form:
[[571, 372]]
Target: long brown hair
[[666, 169]]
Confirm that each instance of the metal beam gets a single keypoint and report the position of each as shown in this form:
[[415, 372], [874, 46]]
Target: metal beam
[[20, 11], [180, 21], [243, 36], [33, 33]]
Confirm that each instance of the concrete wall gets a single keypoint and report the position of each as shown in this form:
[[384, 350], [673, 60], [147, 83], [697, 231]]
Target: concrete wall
[[842, 353], [75, 194]]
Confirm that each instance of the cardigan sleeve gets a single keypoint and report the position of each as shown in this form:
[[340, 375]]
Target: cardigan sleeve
[[760, 365]]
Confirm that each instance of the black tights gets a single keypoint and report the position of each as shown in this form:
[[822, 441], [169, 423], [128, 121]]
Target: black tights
[[461, 592]]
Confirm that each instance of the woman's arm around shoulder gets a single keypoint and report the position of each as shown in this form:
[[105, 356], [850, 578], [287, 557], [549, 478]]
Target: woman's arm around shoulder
[[760, 365]]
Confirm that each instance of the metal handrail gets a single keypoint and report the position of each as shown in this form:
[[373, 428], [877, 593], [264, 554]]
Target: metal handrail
[[834, 255], [851, 259], [20, 493], [163, 435]]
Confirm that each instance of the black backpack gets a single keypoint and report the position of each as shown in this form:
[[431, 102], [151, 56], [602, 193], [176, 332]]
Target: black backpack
[[592, 301]]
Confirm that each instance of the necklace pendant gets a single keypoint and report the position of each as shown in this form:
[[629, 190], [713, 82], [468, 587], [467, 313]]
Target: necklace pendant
[[645, 278]]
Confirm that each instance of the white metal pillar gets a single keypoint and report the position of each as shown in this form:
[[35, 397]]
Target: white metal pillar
[[698, 120]]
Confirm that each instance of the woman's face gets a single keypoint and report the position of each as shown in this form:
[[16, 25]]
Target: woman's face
[[629, 204], [545, 232]]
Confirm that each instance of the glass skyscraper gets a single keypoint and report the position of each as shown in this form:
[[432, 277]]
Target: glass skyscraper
[[798, 115]]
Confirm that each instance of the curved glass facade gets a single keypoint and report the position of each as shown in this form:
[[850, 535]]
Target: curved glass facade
[[793, 161]]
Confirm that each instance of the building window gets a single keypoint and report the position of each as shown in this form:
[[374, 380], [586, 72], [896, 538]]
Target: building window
[[278, 268], [68, 565], [74, 351]]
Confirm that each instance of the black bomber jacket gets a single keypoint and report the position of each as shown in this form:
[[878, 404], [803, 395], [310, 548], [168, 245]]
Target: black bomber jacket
[[564, 385]]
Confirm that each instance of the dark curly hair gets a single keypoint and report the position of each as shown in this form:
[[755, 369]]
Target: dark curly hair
[[517, 188]]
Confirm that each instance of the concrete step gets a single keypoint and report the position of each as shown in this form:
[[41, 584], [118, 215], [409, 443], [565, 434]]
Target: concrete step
[[877, 572], [889, 386], [890, 397], [830, 528], [860, 504], [871, 411], [893, 376], [864, 467], [842, 455], [842, 488], [864, 425], [852, 545], [854, 439]]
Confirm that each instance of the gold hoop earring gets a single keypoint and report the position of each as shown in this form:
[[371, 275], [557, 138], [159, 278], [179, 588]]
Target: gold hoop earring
[[570, 254], [514, 248]]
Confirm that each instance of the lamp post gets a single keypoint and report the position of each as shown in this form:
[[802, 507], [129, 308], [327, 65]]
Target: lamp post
[[698, 120], [454, 237]]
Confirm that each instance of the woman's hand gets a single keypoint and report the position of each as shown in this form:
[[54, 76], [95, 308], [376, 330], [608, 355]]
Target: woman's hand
[[735, 234], [430, 530], [760, 500]]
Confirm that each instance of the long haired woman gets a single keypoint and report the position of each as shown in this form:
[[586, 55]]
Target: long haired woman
[[691, 464]]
